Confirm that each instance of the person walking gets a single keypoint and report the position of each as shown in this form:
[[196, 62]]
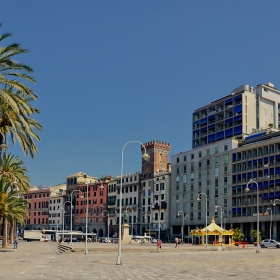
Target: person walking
[[158, 245], [15, 242], [176, 242]]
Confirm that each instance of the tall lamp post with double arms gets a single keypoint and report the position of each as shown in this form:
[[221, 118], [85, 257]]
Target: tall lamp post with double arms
[[258, 216], [71, 217], [145, 156], [181, 213], [198, 198]]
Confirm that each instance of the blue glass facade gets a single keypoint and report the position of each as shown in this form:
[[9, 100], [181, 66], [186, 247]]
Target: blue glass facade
[[217, 121]]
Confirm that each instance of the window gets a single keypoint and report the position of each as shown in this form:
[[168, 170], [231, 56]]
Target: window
[[208, 162], [216, 193], [225, 170], [208, 172], [177, 187], [185, 168], [200, 165], [192, 166], [185, 158], [225, 181], [192, 176], [225, 159], [217, 172], [225, 202], [216, 150], [178, 170], [192, 156], [191, 186], [199, 205], [178, 179], [184, 178], [216, 182], [200, 154], [185, 187], [225, 147], [208, 152], [216, 160], [199, 215], [225, 191], [199, 175], [178, 160]]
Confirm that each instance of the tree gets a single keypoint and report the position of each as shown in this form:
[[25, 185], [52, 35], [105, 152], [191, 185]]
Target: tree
[[13, 170], [12, 207], [255, 234], [237, 235], [15, 99]]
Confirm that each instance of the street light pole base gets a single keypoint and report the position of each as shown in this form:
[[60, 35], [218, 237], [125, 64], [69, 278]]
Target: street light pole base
[[119, 261], [86, 251], [257, 250]]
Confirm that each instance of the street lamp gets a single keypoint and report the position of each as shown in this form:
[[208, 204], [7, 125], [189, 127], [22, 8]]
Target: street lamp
[[188, 225], [270, 221], [145, 215], [182, 217], [131, 220], [198, 199], [107, 223], [72, 211], [258, 217], [63, 217], [216, 210], [145, 156]]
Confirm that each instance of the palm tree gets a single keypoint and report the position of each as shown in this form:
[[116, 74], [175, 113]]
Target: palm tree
[[11, 71], [12, 207], [15, 100], [15, 173]]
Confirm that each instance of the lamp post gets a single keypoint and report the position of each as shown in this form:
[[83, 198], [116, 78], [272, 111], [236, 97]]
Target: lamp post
[[188, 225], [216, 210], [145, 215], [270, 221], [258, 217], [131, 209], [63, 217], [198, 198], [145, 156], [105, 211], [182, 228], [72, 212]]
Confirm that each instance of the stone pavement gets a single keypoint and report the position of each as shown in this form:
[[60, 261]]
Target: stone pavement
[[36, 260]]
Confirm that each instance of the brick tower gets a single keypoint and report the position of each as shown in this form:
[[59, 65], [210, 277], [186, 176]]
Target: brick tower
[[158, 162]]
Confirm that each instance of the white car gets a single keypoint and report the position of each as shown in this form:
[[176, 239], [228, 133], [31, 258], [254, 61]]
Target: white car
[[106, 240], [154, 241], [269, 243]]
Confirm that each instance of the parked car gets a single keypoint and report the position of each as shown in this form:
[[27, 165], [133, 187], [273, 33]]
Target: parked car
[[154, 241], [106, 240], [269, 243]]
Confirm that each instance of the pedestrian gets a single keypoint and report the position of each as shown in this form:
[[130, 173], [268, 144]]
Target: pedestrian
[[68, 240], [158, 245], [176, 242], [15, 242]]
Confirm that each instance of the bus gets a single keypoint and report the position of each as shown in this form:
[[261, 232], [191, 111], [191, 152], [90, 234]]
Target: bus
[[53, 235]]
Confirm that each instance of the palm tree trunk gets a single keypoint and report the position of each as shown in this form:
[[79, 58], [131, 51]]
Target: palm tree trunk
[[4, 241], [11, 232]]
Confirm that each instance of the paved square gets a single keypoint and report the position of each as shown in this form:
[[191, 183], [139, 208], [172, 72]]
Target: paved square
[[37, 260]]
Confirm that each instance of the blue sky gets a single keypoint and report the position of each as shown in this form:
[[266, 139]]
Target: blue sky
[[113, 71]]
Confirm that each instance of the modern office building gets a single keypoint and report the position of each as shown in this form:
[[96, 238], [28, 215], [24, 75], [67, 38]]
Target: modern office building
[[258, 159], [205, 169], [245, 111]]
